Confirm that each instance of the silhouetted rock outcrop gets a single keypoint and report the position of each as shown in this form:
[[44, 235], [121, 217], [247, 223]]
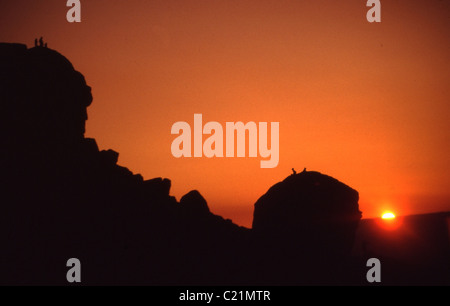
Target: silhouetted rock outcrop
[[45, 98], [307, 225], [194, 202], [62, 197], [311, 208]]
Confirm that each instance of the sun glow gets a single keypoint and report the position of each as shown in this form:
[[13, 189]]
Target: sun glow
[[388, 216]]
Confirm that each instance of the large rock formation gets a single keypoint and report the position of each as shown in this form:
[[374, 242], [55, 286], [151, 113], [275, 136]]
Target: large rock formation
[[305, 226], [61, 197], [44, 97], [310, 209]]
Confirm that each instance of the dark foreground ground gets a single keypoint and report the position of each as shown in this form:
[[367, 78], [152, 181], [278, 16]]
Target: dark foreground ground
[[413, 250]]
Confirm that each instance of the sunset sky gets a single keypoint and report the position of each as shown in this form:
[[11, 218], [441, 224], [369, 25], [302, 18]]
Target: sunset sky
[[366, 103]]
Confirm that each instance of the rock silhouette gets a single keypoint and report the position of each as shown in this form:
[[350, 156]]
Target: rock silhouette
[[309, 218], [311, 208], [61, 198]]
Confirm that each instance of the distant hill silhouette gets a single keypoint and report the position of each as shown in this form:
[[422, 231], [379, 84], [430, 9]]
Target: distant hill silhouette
[[415, 250], [61, 197]]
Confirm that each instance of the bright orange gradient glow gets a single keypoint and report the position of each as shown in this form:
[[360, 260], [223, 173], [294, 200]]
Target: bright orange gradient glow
[[389, 221], [366, 103], [388, 216]]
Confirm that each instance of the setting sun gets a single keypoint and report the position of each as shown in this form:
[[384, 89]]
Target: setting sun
[[388, 215]]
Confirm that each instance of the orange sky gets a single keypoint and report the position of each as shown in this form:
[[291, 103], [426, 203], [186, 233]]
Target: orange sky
[[365, 103]]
